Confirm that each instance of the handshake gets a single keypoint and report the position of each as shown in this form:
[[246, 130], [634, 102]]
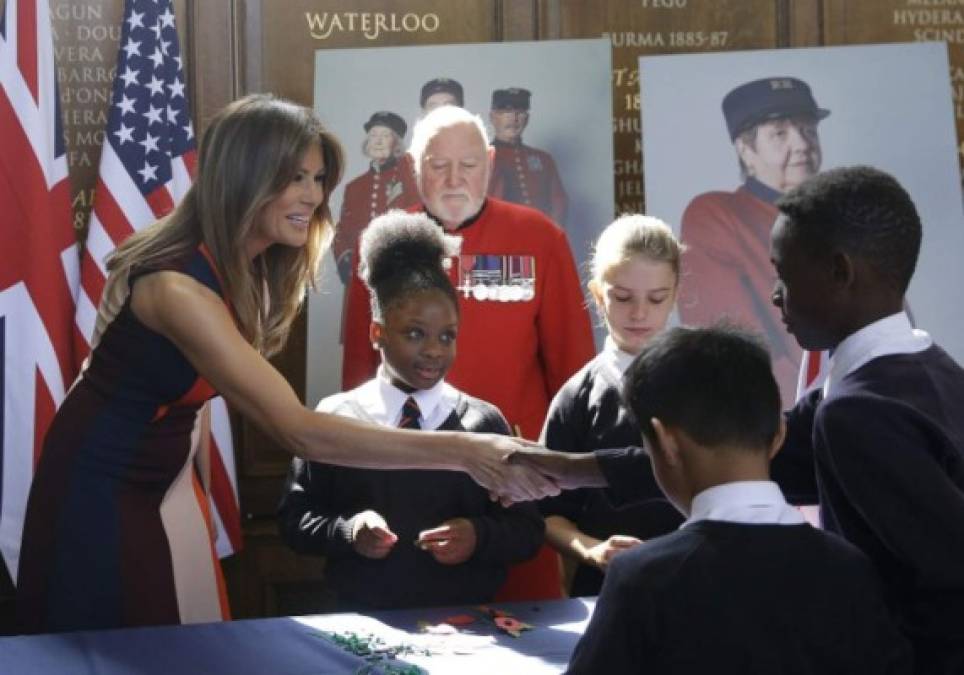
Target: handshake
[[517, 470]]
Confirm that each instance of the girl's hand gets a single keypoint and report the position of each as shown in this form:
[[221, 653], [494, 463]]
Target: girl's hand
[[370, 535], [602, 553], [451, 543]]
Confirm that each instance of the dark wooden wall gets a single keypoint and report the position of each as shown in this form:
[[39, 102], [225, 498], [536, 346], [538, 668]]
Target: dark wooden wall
[[233, 47]]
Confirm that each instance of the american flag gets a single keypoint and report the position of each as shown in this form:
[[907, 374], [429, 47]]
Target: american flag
[[147, 164], [38, 258]]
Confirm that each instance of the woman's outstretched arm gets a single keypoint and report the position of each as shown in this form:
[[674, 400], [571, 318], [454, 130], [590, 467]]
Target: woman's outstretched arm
[[196, 320]]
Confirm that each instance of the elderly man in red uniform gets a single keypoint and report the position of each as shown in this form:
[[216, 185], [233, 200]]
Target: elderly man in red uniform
[[524, 325], [388, 184], [523, 174], [772, 123]]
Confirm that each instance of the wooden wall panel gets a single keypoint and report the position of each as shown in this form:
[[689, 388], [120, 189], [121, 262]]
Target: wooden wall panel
[[285, 33], [646, 27], [86, 40], [851, 22], [805, 24], [213, 72]]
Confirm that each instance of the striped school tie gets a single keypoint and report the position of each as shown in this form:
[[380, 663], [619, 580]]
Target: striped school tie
[[410, 415]]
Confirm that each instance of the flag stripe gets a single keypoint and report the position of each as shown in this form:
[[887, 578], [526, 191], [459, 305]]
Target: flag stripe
[[190, 161], [182, 172], [3, 405], [225, 500], [100, 244], [27, 45], [160, 201], [38, 265], [114, 180], [53, 294], [92, 284]]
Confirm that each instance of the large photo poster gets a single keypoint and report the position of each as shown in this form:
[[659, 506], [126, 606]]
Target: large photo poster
[[724, 135], [546, 107]]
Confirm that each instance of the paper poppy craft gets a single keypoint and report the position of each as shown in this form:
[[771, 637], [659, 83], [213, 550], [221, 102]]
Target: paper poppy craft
[[504, 621]]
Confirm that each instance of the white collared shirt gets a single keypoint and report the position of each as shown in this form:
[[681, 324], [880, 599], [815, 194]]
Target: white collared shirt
[[614, 361], [383, 401], [752, 501], [893, 334]]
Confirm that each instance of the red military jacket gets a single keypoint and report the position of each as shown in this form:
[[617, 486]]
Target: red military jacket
[[525, 175], [512, 352], [727, 272], [380, 189]]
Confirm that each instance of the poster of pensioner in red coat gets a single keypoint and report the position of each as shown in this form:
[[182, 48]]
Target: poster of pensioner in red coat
[[725, 135]]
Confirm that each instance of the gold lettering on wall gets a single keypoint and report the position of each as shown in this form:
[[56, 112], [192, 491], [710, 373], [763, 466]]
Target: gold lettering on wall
[[905, 21], [86, 39], [370, 25], [659, 27]]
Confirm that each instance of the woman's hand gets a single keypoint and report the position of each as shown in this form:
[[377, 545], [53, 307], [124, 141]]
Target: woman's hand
[[370, 536], [451, 543], [485, 458]]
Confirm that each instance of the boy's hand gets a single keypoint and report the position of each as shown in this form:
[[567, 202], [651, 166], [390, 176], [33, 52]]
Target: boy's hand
[[602, 553], [451, 543], [565, 469], [370, 535]]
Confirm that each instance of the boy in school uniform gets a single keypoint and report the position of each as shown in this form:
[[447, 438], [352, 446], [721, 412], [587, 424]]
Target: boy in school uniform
[[745, 585], [882, 445], [883, 442]]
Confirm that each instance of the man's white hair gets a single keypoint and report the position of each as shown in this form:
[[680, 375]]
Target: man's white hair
[[443, 117]]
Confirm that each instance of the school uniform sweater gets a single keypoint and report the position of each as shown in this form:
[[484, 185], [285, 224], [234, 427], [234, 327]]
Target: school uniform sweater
[[585, 415], [743, 587], [320, 500], [883, 453]]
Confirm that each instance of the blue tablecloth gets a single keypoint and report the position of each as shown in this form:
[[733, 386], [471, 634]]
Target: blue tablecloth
[[296, 645]]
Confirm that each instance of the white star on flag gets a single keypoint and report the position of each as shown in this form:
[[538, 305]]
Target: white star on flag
[[177, 89], [125, 134], [149, 172], [132, 48], [126, 105], [135, 20], [154, 115], [157, 57], [130, 77], [156, 86], [149, 143]]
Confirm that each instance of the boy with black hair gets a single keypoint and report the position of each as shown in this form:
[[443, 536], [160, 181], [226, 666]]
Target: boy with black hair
[[745, 585], [886, 433]]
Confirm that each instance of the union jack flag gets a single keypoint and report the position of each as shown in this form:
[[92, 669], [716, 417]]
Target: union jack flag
[[147, 164], [38, 258]]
